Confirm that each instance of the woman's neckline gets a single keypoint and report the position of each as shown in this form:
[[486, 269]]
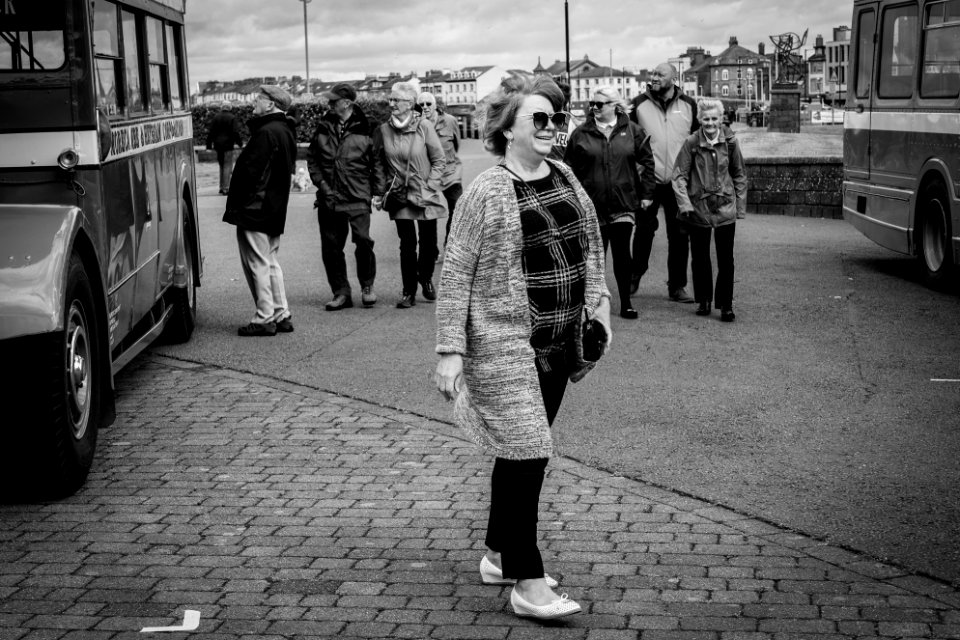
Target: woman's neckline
[[525, 173]]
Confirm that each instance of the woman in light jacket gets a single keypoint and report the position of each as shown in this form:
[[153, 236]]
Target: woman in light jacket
[[409, 153], [523, 270], [711, 186]]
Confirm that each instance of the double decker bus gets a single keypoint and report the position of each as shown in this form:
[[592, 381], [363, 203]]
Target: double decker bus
[[99, 243], [901, 143]]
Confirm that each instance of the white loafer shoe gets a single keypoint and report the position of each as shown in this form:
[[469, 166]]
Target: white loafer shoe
[[559, 608], [490, 574]]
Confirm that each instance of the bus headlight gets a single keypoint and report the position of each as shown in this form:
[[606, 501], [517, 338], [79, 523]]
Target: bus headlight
[[68, 159]]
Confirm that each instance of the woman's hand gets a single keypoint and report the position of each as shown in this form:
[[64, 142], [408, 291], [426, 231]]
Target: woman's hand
[[602, 315], [646, 204], [376, 201], [449, 376]]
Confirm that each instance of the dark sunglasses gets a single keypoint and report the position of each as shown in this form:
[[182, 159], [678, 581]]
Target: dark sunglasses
[[599, 105], [541, 118], [425, 104]]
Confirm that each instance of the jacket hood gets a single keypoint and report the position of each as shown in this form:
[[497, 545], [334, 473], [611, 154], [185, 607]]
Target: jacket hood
[[277, 116], [591, 121], [358, 122]]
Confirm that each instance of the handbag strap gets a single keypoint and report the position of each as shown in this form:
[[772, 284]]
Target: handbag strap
[[413, 139]]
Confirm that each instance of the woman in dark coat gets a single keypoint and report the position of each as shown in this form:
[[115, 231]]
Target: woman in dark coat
[[612, 158], [223, 136]]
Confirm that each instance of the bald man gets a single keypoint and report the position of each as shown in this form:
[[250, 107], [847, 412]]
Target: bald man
[[668, 116], [448, 130]]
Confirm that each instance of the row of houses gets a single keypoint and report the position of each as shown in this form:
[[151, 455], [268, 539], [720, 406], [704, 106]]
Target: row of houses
[[737, 74]]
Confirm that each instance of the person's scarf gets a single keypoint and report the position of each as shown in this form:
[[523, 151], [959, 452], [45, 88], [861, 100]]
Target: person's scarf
[[400, 125]]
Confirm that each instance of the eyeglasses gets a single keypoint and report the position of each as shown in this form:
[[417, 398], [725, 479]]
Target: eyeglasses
[[425, 104], [541, 118], [599, 105], [397, 100]]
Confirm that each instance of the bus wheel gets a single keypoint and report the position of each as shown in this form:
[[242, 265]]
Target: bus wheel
[[935, 252], [183, 316], [55, 455]]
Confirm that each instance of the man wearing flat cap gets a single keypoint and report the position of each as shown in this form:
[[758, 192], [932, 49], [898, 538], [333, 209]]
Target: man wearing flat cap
[[257, 205], [341, 163]]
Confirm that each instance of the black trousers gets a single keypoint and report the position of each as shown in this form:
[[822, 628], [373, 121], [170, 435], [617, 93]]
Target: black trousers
[[416, 268], [678, 247], [703, 289], [334, 226], [452, 194], [617, 235], [515, 497]]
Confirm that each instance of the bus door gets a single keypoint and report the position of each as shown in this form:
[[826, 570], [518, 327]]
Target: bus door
[[857, 120]]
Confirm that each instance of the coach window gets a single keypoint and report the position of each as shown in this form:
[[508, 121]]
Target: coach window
[[864, 69], [131, 60], [32, 40], [174, 61], [106, 47], [940, 75], [899, 52], [157, 64]]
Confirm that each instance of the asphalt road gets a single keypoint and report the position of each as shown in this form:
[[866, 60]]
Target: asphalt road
[[819, 409]]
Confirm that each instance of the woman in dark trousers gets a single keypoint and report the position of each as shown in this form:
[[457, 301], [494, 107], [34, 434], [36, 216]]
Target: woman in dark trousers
[[223, 136], [612, 158], [522, 272], [711, 186]]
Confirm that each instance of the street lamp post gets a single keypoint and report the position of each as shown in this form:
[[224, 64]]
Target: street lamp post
[[306, 46]]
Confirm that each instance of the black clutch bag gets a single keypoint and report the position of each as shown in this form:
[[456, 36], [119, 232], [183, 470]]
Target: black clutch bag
[[594, 339]]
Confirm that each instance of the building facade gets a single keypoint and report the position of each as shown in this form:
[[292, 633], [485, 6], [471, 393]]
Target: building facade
[[837, 52]]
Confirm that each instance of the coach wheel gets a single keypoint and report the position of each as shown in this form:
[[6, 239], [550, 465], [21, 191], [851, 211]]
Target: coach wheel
[[935, 252]]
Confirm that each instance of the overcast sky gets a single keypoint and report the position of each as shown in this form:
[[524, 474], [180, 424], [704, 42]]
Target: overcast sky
[[235, 39]]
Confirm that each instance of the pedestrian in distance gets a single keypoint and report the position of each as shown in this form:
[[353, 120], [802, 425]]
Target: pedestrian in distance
[[522, 300], [711, 187], [611, 157], [448, 131], [257, 206], [563, 133], [341, 162], [223, 136], [668, 116], [410, 164]]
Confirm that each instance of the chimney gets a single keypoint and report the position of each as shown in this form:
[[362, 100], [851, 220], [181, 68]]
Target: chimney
[[733, 41], [761, 48], [819, 41]]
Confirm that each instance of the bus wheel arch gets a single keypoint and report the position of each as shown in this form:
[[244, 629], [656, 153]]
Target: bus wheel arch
[[933, 232], [183, 300]]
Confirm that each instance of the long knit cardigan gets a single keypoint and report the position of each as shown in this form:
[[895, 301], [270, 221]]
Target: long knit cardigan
[[483, 314]]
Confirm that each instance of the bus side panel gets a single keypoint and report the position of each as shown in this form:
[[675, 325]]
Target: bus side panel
[[878, 213], [170, 194], [121, 266]]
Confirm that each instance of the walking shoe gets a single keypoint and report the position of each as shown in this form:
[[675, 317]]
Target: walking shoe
[[628, 312], [407, 300], [681, 295], [256, 330], [429, 293], [703, 309], [562, 606], [339, 302], [727, 314], [634, 284], [490, 574], [368, 297], [285, 325]]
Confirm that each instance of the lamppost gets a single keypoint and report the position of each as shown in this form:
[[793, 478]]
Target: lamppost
[[306, 46], [566, 28]]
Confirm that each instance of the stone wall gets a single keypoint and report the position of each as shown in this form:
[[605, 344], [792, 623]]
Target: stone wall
[[803, 187]]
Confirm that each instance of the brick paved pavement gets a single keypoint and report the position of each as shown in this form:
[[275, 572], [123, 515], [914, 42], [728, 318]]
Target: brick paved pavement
[[279, 511]]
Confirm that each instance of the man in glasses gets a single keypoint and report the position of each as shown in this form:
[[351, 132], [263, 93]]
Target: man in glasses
[[341, 163], [669, 117], [448, 130]]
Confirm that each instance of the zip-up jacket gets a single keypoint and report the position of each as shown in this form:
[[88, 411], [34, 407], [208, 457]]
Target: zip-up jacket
[[617, 172], [710, 180], [341, 160], [668, 123]]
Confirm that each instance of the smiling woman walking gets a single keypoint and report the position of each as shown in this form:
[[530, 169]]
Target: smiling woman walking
[[522, 276]]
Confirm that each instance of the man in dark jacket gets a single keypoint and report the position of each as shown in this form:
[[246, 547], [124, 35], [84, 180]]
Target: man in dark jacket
[[669, 117], [257, 205], [341, 164], [223, 135]]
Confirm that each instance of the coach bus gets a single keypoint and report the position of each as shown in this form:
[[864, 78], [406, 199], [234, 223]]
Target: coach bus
[[99, 243], [901, 143]]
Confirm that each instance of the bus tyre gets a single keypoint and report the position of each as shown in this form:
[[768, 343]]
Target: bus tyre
[[183, 315], [53, 450], [934, 249]]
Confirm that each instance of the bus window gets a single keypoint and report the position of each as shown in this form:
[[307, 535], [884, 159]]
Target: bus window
[[106, 47], [131, 59], [32, 39], [865, 29], [899, 47], [173, 62], [940, 74], [157, 59]]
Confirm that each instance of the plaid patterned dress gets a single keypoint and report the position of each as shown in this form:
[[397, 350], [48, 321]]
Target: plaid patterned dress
[[554, 265]]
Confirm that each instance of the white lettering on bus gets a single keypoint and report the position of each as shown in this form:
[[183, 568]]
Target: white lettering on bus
[[8, 8]]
